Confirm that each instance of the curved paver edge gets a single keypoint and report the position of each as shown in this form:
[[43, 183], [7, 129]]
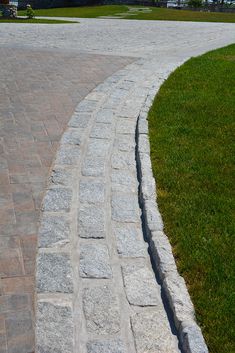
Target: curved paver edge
[[160, 249]]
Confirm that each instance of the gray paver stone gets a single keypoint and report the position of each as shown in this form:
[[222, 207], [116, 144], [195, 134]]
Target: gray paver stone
[[123, 160], [80, 120], [72, 136], [54, 328], [61, 176], [68, 155], [126, 126], [54, 273], [105, 116], [93, 166], [58, 199], [130, 242], [91, 192], [125, 207], [98, 148], [106, 346], [140, 285], [125, 143], [54, 231], [101, 310], [102, 131], [94, 261], [91, 221], [192, 338], [124, 180]]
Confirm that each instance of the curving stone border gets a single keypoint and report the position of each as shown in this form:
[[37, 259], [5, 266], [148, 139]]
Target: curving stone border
[[160, 249]]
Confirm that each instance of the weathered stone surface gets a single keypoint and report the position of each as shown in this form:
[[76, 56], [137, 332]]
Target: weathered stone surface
[[91, 192], [54, 231], [91, 222], [102, 131], [68, 155], [123, 160], [140, 285], [58, 199], [125, 143], [192, 338], [72, 136], [125, 207], [124, 180], [126, 126], [61, 176], [130, 242], [94, 261], [80, 120], [93, 166], [143, 126], [152, 333], [143, 144], [101, 310], [54, 273], [153, 218], [54, 328], [105, 116], [98, 147], [86, 105], [106, 346]]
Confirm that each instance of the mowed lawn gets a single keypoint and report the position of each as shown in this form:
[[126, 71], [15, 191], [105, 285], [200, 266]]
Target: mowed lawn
[[192, 135], [155, 14]]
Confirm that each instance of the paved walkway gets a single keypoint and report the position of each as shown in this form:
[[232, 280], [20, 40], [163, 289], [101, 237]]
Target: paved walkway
[[91, 213]]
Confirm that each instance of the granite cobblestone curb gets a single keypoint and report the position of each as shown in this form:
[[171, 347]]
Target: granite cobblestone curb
[[94, 273]]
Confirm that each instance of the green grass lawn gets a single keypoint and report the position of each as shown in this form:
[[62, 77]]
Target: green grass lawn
[[155, 14], [192, 130], [34, 20]]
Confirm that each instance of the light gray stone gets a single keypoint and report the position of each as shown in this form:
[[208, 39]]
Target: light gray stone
[[72, 136], [54, 328], [179, 299], [91, 221], [148, 188], [105, 116], [143, 144], [92, 192], [102, 311], [125, 207], [98, 147], [143, 126], [130, 242], [68, 155], [123, 160], [61, 176], [94, 261], [125, 143], [106, 346], [126, 126], [54, 273], [124, 180], [192, 338], [102, 131], [58, 199], [152, 215], [140, 285], [152, 332], [80, 120], [54, 231], [93, 166], [86, 105]]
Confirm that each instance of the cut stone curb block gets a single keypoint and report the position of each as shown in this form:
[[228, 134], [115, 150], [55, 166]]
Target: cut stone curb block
[[91, 221], [54, 273], [93, 166], [54, 231], [148, 189], [140, 285], [61, 176], [123, 160], [80, 120], [143, 144], [192, 338], [101, 309], [68, 155], [130, 241], [94, 261], [151, 333], [72, 136], [54, 328], [109, 346], [152, 216], [102, 131], [125, 207], [91, 192], [145, 167], [162, 254], [179, 299], [143, 126], [58, 199]]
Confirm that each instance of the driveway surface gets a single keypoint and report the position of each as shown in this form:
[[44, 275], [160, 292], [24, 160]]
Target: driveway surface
[[96, 288]]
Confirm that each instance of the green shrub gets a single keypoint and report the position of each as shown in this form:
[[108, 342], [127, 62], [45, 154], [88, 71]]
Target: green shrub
[[29, 12]]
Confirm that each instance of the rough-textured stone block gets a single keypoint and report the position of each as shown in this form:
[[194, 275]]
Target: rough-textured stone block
[[124, 180], [143, 144], [125, 126], [98, 148], [72, 136], [61, 176], [54, 231], [101, 310], [91, 222], [106, 346], [125, 143], [54, 328], [153, 218], [87, 106], [123, 160], [91, 192], [105, 116], [54, 273], [192, 338], [152, 332], [94, 261], [80, 120], [125, 207], [93, 166], [58, 199], [102, 131], [140, 285], [68, 155], [130, 242]]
